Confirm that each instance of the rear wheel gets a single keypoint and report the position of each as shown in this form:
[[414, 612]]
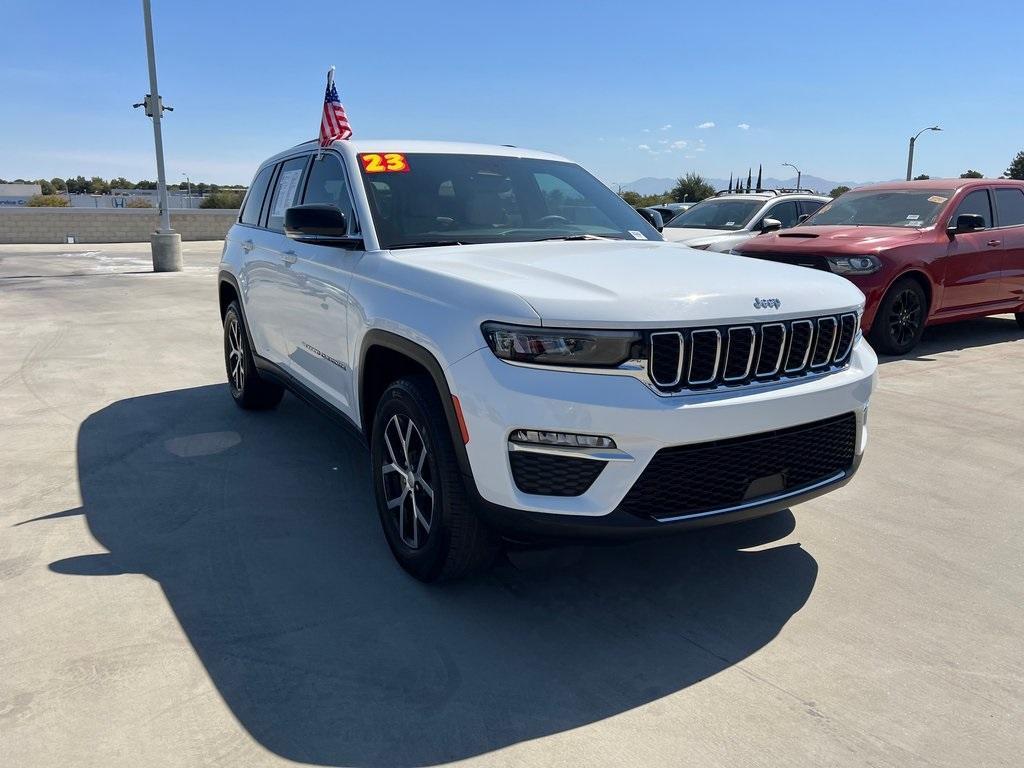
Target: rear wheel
[[248, 390], [424, 509], [900, 319]]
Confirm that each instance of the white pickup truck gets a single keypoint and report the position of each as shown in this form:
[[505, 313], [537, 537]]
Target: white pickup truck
[[526, 357]]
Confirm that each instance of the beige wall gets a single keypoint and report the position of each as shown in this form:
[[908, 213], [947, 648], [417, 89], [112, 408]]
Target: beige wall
[[122, 225]]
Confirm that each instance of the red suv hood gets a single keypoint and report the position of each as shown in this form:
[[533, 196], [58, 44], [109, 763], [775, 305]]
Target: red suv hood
[[833, 239]]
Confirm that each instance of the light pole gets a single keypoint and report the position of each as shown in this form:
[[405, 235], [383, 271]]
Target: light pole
[[165, 242], [188, 181], [910, 154], [798, 174]]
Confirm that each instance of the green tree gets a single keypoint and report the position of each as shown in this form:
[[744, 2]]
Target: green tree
[[838, 191], [78, 185], [47, 201], [922, 177], [971, 174], [222, 200], [121, 183], [1016, 169], [45, 186], [691, 188], [631, 197], [98, 186], [58, 184]]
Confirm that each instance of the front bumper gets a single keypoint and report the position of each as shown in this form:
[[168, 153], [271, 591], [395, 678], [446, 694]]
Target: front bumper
[[497, 397]]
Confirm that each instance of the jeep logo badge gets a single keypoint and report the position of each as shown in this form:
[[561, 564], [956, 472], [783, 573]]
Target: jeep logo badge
[[766, 303]]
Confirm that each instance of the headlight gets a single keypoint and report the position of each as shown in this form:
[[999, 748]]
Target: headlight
[[561, 346], [854, 265]]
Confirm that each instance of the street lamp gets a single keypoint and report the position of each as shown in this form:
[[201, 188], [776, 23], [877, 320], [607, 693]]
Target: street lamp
[[188, 181], [165, 242], [910, 154], [798, 174]]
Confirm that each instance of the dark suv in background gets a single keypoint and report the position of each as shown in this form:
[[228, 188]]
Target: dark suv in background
[[923, 252]]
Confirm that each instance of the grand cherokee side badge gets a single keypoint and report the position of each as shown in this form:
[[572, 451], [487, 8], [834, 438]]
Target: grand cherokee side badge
[[767, 303]]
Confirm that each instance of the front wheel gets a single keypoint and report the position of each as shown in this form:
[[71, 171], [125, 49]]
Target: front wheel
[[421, 499], [1020, 319], [900, 319]]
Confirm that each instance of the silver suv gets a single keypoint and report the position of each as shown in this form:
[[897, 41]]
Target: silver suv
[[721, 222]]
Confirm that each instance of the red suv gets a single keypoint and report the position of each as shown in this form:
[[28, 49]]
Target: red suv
[[923, 252]]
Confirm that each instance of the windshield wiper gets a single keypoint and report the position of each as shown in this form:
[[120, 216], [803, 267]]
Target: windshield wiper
[[426, 244], [585, 236]]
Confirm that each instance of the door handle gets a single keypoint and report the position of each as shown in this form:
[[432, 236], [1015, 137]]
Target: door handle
[[248, 245], [289, 257], [993, 243]]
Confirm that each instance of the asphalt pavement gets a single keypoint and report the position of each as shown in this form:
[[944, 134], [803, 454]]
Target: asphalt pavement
[[186, 584]]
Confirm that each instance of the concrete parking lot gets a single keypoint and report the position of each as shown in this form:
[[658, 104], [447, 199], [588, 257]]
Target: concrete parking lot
[[183, 583]]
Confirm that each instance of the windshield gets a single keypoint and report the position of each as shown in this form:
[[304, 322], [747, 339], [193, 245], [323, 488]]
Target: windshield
[[883, 208], [718, 213], [448, 199]]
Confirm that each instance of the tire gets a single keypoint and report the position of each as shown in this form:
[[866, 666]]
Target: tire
[[1020, 319], [900, 319], [432, 530], [248, 390]]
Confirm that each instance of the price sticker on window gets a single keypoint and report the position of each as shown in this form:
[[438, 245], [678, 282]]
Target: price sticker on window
[[387, 162]]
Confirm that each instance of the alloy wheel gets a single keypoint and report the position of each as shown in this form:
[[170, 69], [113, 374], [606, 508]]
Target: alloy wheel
[[236, 355], [407, 474], [905, 317]]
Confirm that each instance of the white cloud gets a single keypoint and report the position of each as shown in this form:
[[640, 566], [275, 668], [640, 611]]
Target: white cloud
[[700, 149], [708, 124], [666, 127], [690, 157], [681, 144], [646, 130], [644, 147], [663, 141], [744, 126]]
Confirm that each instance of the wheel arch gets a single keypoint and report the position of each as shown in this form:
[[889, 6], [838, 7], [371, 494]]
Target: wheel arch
[[922, 279], [386, 356]]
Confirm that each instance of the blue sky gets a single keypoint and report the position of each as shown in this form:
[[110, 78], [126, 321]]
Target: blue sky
[[624, 88]]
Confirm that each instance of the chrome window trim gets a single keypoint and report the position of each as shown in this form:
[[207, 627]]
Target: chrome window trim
[[832, 344], [679, 364], [750, 356], [853, 336], [718, 356], [782, 350], [810, 347]]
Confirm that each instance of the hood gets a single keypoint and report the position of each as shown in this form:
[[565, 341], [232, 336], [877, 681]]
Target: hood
[[687, 234], [834, 239], [606, 283]]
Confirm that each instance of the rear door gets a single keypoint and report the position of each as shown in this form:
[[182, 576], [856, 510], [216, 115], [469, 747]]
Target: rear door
[[973, 262], [1010, 220], [322, 277]]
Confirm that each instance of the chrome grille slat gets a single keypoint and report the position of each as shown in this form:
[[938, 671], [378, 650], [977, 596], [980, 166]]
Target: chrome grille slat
[[730, 356]]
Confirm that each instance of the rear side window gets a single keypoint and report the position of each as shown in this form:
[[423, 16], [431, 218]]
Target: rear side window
[[327, 184], [1010, 203], [254, 200], [286, 191], [977, 203], [807, 207]]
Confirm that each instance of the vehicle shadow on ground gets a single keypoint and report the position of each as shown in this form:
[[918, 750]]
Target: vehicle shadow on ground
[[261, 530], [952, 337]]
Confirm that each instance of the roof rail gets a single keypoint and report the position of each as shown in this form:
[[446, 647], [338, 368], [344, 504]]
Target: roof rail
[[751, 191]]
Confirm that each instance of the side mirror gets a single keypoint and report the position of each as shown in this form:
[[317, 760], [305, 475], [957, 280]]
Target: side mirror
[[802, 218], [770, 225], [319, 224], [653, 218], [966, 222]]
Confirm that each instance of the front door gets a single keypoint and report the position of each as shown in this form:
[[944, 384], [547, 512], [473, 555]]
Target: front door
[[973, 260]]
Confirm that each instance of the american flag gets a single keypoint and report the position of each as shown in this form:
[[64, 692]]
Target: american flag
[[334, 124]]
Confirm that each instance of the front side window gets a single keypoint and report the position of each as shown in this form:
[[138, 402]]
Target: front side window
[[426, 199], [1010, 203], [785, 212], [718, 213], [286, 191], [327, 185], [914, 208], [976, 203], [254, 200], [807, 207]]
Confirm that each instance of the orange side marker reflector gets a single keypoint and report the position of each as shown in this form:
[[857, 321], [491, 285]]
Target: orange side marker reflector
[[462, 421]]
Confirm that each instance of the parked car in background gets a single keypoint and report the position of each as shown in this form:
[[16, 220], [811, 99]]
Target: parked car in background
[[923, 252], [728, 219], [669, 211], [653, 215], [523, 353]]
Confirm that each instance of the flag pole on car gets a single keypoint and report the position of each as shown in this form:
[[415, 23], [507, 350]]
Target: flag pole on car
[[334, 124]]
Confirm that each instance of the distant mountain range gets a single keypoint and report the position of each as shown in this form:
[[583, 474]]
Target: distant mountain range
[[649, 185]]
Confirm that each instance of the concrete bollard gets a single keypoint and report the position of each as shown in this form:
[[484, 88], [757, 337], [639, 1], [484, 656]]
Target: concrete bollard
[[166, 251]]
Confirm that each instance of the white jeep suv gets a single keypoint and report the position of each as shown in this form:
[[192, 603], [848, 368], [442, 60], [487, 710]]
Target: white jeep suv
[[722, 222], [524, 354]]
